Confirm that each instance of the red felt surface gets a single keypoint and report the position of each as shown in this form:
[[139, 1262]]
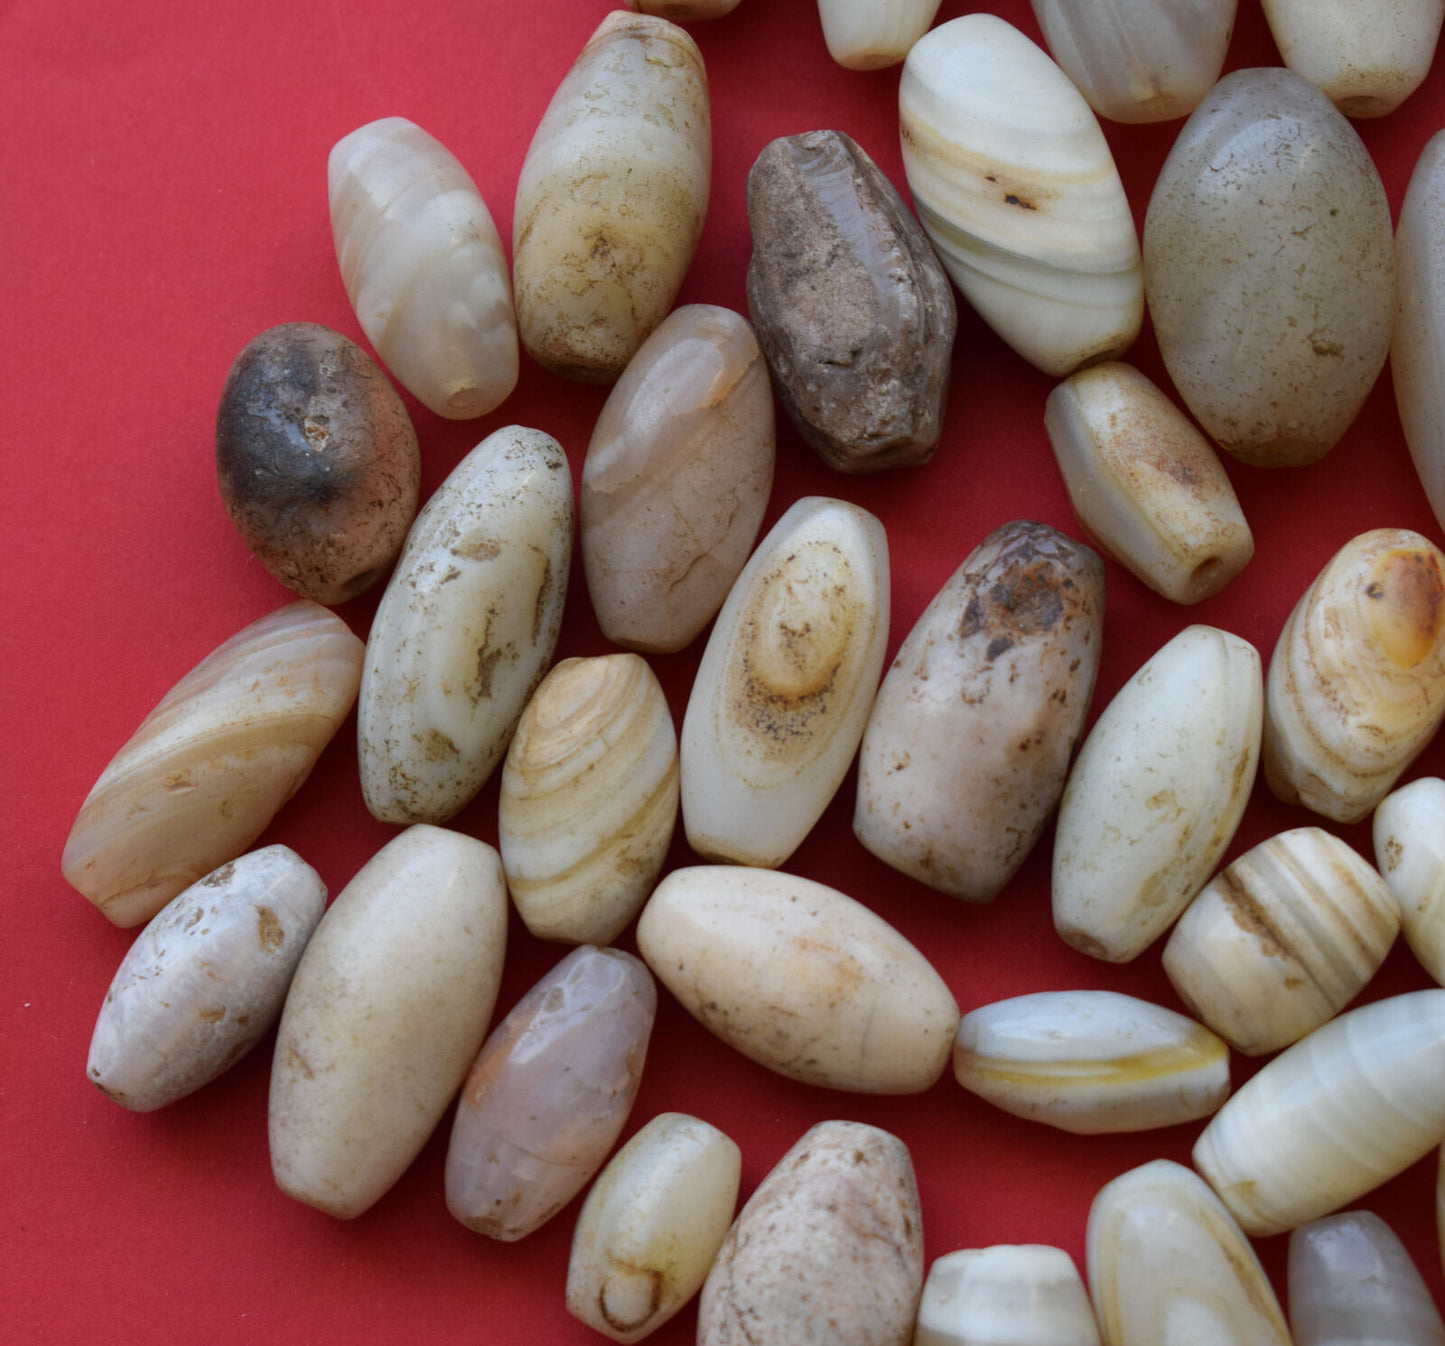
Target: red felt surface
[[164, 199]]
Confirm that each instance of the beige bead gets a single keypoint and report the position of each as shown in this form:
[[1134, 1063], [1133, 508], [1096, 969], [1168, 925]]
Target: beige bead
[[1409, 835]]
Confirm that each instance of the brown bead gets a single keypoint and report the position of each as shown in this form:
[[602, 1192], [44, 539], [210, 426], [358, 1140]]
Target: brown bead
[[317, 461], [852, 308]]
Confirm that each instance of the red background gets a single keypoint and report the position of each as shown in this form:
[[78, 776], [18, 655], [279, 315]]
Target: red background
[[164, 200]]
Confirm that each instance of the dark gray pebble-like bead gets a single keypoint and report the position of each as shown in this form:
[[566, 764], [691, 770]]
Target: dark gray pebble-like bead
[[854, 312], [317, 461]]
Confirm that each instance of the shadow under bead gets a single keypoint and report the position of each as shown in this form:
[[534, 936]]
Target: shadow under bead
[[317, 461]]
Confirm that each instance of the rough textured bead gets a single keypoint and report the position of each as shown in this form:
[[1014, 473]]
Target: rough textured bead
[[317, 461], [872, 34], [210, 766], [1156, 793], [1417, 346], [1269, 268], [611, 197], [588, 798], [1356, 687], [424, 267], [1345, 1108], [652, 1225], [784, 688], [1367, 56], [839, 1214], [1282, 939], [852, 308], [550, 1093], [1169, 1267], [969, 739], [799, 977], [1139, 60], [1024, 1295], [1409, 836], [1352, 1282], [677, 479], [1091, 1061], [1015, 185], [1146, 485], [205, 980], [466, 628], [386, 1011]]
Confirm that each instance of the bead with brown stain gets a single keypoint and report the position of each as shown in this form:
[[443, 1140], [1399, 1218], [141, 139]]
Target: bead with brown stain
[[785, 684], [968, 743], [205, 980], [549, 1093], [611, 197], [316, 460], [839, 1215], [1356, 688], [1145, 484], [466, 628], [1282, 939], [799, 977], [852, 307]]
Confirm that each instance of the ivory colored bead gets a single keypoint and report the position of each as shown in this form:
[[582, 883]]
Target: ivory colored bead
[[1269, 268], [1007, 1295], [1409, 833], [873, 34], [1282, 939], [838, 1215], [205, 980], [211, 765], [1156, 793], [611, 197], [466, 628], [1168, 1266], [785, 685], [1146, 485], [799, 977], [386, 1011], [549, 1093], [969, 739], [677, 479], [652, 1225]]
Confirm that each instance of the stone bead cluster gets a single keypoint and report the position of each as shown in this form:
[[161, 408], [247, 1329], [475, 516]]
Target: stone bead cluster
[[964, 752]]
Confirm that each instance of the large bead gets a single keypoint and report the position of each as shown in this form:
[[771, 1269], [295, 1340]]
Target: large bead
[[1139, 60], [1409, 836], [968, 743], [677, 479], [838, 1215], [872, 34], [854, 312], [1417, 346], [1156, 793], [1007, 1295], [1345, 1108], [1091, 1061], [1368, 56], [209, 767], [1169, 1267], [549, 1093], [1282, 939], [652, 1225], [1148, 488], [423, 267], [799, 977], [611, 198], [386, 1011], [589, 798], [1356, 687], [1269, 267], [1015, 185], [784, 688], [466, 627], [316, 460], [205, 979]]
